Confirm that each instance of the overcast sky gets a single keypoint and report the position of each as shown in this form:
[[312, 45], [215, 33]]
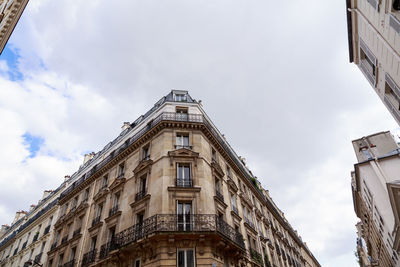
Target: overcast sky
[[273, 75]]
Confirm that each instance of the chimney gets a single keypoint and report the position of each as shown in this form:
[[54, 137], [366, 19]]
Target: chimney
[[3, 229], [18, 215], [66, 178], [46, 193], [32, 207], [88, 157], [125, 125]]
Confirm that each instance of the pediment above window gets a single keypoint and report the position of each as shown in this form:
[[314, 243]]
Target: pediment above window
[[118, 182], [183, 153], [144, 164], [232, 185]]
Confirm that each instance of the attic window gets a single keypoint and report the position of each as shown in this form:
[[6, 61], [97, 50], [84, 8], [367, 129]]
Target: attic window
[[180, 97]]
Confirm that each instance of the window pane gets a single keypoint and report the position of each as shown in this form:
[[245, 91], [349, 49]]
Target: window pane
[[186, 174], [181, 260], [185, 140], [189, 258]]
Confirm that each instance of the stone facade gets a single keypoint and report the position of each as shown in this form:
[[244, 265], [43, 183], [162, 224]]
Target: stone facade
[[10, 12], [374, 46], [372, 179], [170, 191]]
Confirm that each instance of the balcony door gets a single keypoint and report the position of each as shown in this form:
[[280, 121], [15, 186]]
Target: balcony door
[[185, 220]]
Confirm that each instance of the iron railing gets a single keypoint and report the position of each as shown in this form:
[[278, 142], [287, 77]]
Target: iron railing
[[173, 223], [219, 195], [69, 263], [184, 182], [113, 210], [140, 194], [256, 256], [89, 257], [38, 257]]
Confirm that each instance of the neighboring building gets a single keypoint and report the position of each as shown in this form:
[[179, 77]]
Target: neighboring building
[[374, 44], [169, 191], [10, 13], [373, 178]]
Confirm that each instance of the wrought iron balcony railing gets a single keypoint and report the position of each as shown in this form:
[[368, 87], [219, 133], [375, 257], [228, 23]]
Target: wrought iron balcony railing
[[113, 210], [173, 223], [38, 257], [256, 256], [96, 220], [89, 257], [184, 182], [69, 263], [140, 194], [219, 195]]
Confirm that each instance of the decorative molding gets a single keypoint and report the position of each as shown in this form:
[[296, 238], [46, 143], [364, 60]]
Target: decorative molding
[[183, 153]]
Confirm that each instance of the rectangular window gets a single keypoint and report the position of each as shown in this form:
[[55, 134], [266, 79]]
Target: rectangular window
[[104, 181], [183, 175], [367, 63], [111, 233], [214, 155], [146, 152], [86, 194], [182, 141], [180, 97], [60, 260], [185, 258], [116, 200], [233, 202], [228, 172], [137, 263], [93, 243], [121, 169], [184, 214], [72, 255], [99, 210]]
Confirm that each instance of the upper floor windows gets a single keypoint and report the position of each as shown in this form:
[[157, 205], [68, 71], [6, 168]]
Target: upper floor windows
[[182, 141], [104, 181], [185, 258], [368, 63], [121, 169], [396, 4], [183, 175], [146, 152], [214, 155], [180, 97]]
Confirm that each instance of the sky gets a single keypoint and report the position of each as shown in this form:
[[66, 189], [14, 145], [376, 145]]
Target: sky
[[274, 76]]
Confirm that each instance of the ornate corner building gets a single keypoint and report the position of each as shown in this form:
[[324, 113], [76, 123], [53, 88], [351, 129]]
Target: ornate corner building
[[10, 13], [375, 188], [168, 191], [374, 46]]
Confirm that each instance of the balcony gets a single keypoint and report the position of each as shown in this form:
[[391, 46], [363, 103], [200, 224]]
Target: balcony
[[173, 223], [256, 256], [69, 264], [113, 210], [219, 195], [183, 182], [140, 194], [38, 257], [96, 220], [47, 229], [89, 257]]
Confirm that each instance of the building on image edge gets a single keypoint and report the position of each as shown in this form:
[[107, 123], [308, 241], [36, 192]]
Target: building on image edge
[[168, 191]]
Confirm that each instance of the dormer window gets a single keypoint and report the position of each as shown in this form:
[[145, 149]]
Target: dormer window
[[180, 97]]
